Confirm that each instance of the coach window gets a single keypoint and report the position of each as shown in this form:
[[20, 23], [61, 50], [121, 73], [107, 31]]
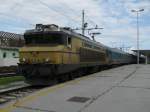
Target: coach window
[[69, 41], [4, 55]]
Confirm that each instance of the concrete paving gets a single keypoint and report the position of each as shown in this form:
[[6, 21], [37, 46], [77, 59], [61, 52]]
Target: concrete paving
[[122, 89]]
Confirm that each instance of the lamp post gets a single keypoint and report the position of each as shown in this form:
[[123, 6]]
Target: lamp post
[[138, 51]]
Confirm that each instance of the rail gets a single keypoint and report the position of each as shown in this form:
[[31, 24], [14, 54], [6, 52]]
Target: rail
[[7, 95], [8, 74]]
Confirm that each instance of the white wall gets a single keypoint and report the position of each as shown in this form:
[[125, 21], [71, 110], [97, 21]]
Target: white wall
[[9, 61]]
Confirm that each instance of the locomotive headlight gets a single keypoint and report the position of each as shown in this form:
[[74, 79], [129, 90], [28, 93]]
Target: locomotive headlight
[[23, 59], [47, 60]]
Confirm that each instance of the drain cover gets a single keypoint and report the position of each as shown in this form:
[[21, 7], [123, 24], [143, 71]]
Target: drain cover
[[79, 99]]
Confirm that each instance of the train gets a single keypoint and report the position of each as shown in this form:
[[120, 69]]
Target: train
[[58, 53]]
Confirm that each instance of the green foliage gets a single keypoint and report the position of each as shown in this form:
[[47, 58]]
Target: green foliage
[[7, 80]]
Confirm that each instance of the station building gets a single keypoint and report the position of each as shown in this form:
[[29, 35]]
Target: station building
[[145, 53], [9, 48], [9, 56]]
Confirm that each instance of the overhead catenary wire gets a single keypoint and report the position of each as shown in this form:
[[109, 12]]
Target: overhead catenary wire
[[55, 10], [78, 15], [15, 18]]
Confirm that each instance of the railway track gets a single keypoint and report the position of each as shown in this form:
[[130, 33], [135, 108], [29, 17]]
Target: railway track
[[8, 71], [8, 74], [15, 93], [22, 91]]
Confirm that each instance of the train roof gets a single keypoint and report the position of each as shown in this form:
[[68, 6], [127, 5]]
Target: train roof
[[118, 51]]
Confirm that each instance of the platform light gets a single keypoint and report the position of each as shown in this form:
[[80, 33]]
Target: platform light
[[138, 50]]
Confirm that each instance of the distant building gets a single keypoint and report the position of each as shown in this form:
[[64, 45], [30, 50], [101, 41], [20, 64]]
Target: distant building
[[9, 56], [146, 53], [9, 48], [11, 39]]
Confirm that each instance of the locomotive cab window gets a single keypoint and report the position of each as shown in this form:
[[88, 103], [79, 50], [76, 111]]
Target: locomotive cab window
[[44, 38]]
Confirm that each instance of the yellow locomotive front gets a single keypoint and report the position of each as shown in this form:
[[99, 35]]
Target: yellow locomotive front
[[46, 53], [42, 48]]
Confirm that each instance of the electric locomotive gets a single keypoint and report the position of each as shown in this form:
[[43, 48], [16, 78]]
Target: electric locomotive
[[53, 52]]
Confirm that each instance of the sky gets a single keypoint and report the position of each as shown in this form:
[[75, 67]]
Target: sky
[[114, 16]]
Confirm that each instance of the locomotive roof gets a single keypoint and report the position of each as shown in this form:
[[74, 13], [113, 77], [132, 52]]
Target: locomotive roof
[[52, 28], [64, 30]]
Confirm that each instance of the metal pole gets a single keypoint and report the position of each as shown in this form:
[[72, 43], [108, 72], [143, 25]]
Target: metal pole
[[83, 29], [146, 60], [138, 50]]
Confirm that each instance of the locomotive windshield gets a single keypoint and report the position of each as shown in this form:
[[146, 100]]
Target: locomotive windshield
[[48, 38]]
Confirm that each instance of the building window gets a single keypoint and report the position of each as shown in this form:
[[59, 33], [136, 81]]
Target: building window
[[14, 54], [4, 55]]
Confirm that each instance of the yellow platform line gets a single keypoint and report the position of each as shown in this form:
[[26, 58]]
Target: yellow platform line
[[43, 92]]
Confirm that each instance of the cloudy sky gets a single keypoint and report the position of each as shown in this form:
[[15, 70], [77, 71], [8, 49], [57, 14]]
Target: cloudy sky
[[114, 16]]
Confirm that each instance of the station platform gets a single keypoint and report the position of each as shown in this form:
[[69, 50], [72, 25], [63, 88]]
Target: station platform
[[121, 89]]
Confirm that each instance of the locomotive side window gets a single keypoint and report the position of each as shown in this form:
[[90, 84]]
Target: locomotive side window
[[88, 45], [69, 42]]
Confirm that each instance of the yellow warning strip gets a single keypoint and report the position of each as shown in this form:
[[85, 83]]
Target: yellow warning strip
[[30, 98]]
